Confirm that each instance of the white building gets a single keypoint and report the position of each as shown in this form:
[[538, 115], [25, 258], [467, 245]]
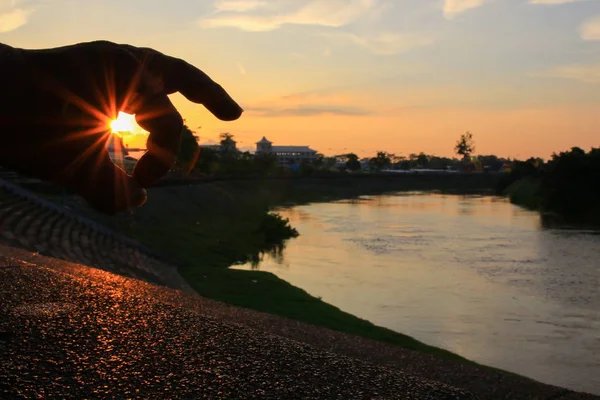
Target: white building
[[286, 155], [119, 153]]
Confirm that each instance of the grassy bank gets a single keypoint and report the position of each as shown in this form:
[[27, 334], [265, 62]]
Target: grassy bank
[[527, 193], [565, 189], [209, 227]]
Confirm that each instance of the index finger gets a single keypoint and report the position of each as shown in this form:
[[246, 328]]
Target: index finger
[[177, 75]]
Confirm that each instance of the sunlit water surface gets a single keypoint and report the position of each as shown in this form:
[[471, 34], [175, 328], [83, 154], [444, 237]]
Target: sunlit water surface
[[474, 275]]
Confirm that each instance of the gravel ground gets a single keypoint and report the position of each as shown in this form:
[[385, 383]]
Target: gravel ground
[[65, 336], [69, 331]]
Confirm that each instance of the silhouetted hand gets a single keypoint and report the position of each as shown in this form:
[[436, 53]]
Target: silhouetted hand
[[56, 106]]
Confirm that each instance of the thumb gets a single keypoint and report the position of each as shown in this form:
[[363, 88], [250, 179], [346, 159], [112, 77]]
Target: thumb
[[108, 188]]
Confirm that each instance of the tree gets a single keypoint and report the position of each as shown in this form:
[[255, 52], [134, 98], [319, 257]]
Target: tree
[[380, 161], [330, 162], [187, 148], [423, 160], [352, 162], [265, 162], [228, 145], [319, 160], [228, 151], [207, 162], [465, 145], [491, 162]]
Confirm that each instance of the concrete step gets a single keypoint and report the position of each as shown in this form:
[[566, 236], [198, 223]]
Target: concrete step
[[38, 225], [12, 216], [25, 222], [46, 228]]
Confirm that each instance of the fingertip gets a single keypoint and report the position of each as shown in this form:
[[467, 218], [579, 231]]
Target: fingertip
[[224, 109]]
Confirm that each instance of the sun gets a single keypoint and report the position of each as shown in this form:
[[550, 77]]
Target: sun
[[124, 123]]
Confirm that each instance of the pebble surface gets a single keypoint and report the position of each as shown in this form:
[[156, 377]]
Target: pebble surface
[[70, 331], [70, 336]]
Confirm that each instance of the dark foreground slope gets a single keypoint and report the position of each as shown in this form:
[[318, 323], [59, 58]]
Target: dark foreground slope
[[70, 331], [68, 335]]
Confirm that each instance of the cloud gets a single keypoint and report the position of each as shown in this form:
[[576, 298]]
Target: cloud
[[238, 5], [241, 68], [307, 111], [256, 16], [590, 29], [322, 101], [386, 43], [553, 2], [11, 16], [454, 7], [584, 73]]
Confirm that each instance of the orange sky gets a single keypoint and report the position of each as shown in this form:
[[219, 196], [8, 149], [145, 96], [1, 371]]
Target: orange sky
[[517, 133], [363, 75]]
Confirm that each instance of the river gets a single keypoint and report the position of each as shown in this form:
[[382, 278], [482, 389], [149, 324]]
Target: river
[[475, 275]]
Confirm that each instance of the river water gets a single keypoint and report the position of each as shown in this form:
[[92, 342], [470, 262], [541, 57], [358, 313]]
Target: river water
[[472, 274]]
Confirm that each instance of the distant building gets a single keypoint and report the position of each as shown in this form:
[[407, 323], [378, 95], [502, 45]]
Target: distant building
[[286, 155], [119, 153]]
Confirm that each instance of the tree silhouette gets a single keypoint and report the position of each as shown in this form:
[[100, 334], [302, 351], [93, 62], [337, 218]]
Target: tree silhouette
[[352, 162], [381, 160], [465, 145], [188, 146]]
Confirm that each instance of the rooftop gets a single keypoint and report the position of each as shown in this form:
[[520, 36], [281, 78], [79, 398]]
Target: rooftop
[[292, 149], [264, 140]]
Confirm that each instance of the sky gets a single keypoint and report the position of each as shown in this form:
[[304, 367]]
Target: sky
[[403, 76]]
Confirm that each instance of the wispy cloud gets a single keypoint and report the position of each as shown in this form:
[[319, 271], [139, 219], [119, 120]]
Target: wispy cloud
[[241, 68], [12, 16], [260, 16], [553, 2], [585, 73], [306, 111], [386, 43], [590, 29], [238, 5], [323, 101], [454, 7]]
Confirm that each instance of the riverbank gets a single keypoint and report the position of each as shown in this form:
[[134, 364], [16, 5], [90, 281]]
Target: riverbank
[[215, 225], [208, 227], [527, 193]]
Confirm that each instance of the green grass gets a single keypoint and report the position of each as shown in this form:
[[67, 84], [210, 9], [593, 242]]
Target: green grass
[[263, 291], [525, 192], [207, 228], [211, 227]]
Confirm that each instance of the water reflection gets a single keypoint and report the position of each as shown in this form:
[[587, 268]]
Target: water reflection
[[275, 254], [472, 274]]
